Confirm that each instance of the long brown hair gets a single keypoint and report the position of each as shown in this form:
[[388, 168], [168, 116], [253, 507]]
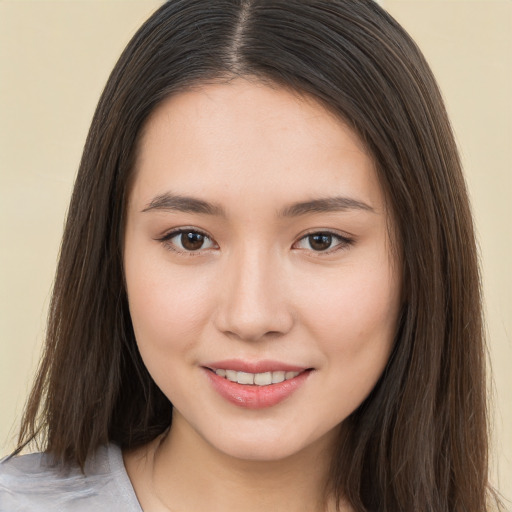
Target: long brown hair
[[419, 441]]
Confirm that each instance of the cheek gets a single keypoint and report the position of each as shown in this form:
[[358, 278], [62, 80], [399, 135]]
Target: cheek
[[358, 300], [355, 333], [353, 316], [168, 306], [169, 310]]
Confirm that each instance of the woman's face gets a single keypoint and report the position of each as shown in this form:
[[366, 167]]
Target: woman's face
[[257, 249]]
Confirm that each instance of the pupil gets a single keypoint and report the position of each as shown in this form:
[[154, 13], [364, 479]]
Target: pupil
[[320, 242], [192, 241]]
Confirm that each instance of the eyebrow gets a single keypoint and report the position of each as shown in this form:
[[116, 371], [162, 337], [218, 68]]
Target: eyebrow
[[325, 205], [172, 202], [186, 204]]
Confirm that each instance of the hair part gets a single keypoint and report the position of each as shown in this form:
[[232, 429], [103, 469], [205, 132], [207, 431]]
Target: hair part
[[419, 441]]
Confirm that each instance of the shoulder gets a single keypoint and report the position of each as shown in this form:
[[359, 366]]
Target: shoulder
[[32, 483]]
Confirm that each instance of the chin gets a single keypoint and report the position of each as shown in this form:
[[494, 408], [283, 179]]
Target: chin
[[265, 445], [262, 452]]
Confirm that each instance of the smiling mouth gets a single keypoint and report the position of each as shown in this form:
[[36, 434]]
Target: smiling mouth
[[256, 379], [267, 385]]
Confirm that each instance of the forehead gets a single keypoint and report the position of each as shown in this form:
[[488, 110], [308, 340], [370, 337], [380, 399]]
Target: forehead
[[250, 139]]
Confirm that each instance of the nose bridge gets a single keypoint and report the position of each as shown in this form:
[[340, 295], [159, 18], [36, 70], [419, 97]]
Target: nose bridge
[[253, 302]]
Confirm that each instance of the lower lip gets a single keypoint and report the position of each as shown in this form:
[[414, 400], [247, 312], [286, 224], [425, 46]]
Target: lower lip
[[256, 397]]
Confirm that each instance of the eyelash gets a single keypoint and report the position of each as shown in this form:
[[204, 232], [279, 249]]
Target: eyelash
[[343, 241], [166, 241]]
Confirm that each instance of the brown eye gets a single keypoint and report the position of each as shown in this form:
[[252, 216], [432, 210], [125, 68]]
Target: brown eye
[[320, 241], [323, 242], [187, 241], [191, 240]]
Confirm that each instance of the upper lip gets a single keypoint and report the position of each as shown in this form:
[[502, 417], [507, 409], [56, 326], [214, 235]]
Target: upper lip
[[263, 366]]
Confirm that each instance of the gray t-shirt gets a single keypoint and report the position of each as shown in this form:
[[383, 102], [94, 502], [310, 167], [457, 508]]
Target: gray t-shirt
[[30, 483]]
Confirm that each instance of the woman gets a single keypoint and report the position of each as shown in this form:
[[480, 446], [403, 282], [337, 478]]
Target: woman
[[269, 231]]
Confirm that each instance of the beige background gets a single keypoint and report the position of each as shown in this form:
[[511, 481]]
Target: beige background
[[55, 57]]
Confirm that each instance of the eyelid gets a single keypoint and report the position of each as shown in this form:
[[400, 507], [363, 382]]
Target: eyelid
[[169, 235], [345, 241]]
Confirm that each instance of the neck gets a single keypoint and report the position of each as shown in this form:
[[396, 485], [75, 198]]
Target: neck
[[182, 472]]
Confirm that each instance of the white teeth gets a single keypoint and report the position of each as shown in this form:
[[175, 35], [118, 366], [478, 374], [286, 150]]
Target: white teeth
[[231, 375], [277, 377], [245, 378], [257, 379], [263, 379]]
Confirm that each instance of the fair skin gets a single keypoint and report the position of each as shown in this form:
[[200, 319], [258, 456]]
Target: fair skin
[[257, 247]]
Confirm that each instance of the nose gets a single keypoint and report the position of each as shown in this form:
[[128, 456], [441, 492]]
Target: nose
[[254, 304]]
